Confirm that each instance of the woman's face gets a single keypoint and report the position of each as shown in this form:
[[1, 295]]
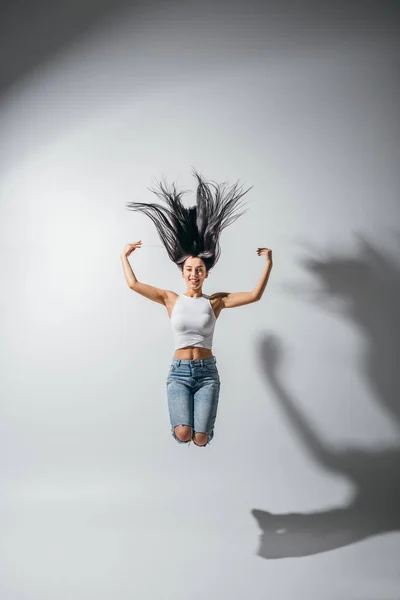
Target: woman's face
[[194, 273]]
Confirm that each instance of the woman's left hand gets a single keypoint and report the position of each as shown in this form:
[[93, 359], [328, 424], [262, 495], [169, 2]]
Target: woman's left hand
[[265, 252]]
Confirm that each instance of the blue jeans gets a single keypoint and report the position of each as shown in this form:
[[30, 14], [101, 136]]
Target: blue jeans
[[193, 393]]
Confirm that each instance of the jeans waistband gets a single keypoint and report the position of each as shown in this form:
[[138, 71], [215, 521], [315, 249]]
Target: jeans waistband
[[199, 362]]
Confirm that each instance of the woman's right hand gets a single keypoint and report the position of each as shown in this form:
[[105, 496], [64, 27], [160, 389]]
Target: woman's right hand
[[129, 248]]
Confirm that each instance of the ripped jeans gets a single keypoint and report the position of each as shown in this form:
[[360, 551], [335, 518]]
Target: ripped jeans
[[193, 392]]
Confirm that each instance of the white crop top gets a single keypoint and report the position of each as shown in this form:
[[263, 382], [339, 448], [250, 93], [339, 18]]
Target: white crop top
[[193, 322]]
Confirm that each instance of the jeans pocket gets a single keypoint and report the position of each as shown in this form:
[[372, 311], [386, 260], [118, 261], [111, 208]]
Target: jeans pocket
[[171, 372], [212, 372]]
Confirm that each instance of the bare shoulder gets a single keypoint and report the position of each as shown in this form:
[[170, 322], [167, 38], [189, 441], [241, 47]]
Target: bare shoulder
[[170, 299], [170, 296], [218, 295], [217, 302]]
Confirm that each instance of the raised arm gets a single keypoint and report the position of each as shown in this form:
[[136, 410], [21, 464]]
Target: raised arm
[[230, 300], [148, 291]]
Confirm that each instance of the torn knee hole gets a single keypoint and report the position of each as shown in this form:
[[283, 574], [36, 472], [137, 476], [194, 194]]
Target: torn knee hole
[[183, 432], [200, 439]]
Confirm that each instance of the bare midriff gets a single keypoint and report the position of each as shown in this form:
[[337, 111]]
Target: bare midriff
[[192, 353]]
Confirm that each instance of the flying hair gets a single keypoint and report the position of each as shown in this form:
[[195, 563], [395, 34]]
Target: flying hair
[[196, 230]]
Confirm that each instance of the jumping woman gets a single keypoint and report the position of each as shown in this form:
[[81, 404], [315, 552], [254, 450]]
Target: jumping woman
[[191, 239]]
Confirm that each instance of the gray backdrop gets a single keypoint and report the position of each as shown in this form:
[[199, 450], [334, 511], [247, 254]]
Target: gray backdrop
[[298, 495]]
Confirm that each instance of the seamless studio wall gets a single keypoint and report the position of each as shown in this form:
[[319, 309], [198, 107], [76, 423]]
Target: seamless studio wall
[[298, 495]]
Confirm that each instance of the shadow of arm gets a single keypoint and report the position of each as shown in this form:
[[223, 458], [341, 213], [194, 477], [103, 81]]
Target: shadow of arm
[[318, 448]]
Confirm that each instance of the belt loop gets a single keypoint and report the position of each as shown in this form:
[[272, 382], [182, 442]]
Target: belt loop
[[179, 362], [202, 362]]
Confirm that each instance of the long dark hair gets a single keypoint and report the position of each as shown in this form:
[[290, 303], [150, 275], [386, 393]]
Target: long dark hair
[[193, 231]]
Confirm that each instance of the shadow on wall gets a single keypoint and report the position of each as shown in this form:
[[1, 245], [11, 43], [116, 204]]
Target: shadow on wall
[[369, 285], [32, 32]]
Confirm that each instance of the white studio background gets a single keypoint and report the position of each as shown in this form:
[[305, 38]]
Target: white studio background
[[97, 500]]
